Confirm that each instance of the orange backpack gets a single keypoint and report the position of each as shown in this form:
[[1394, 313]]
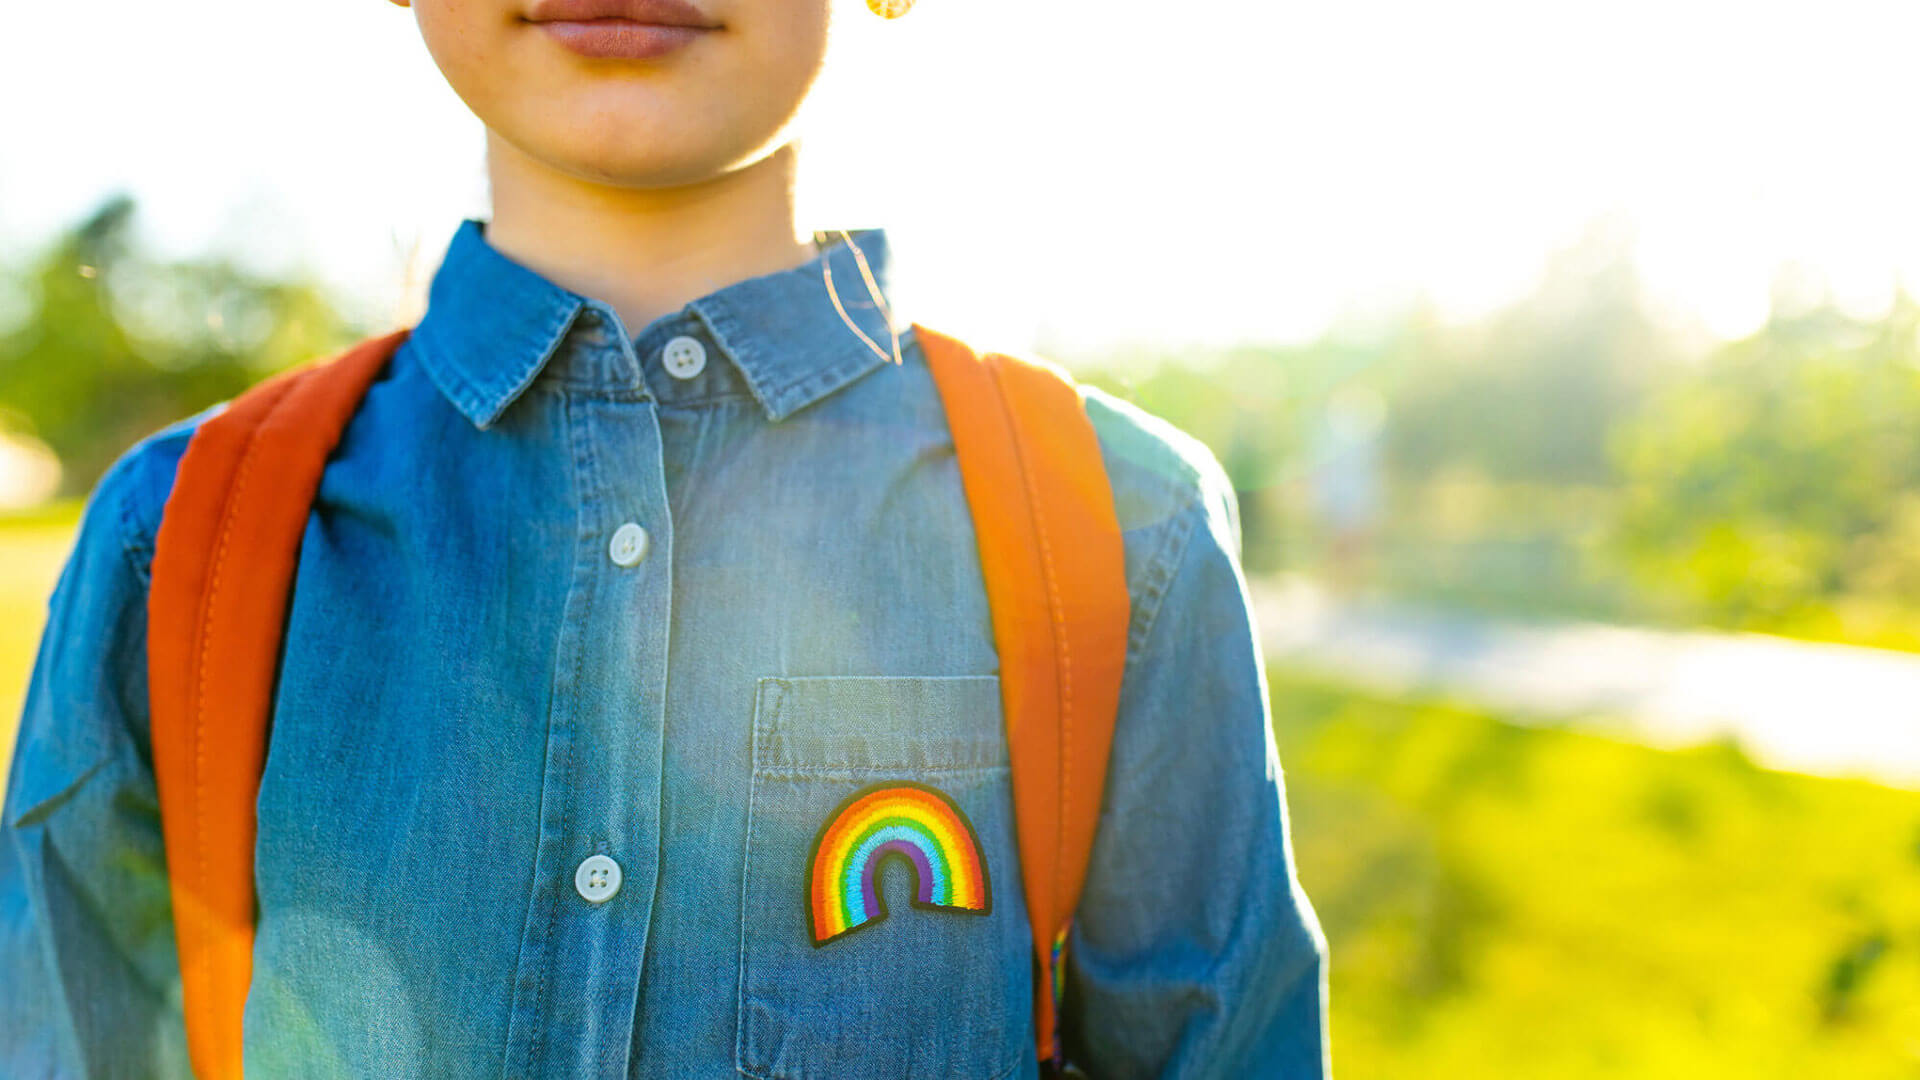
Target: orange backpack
[[228, 544]]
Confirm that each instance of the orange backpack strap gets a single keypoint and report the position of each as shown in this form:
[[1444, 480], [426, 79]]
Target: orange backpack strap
[[223, 565], [1050, 550]]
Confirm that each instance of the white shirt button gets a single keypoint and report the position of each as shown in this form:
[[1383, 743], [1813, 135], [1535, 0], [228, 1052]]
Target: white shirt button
[[597, 879], [629, 545], [684, 357]]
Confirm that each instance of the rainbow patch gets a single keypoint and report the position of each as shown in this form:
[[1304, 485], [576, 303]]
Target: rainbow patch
[[895, 819]]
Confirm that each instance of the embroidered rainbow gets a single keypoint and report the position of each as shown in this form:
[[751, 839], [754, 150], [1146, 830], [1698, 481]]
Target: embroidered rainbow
[[895, 819]]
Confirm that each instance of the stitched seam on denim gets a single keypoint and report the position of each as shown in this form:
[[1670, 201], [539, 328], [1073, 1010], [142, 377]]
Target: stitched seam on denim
[[452, 381], [1159, 575], [590, 496], [623, 395], [773, 727], [710, 399], [740, 1063], [746, 871], [740, 1066], [744, 1068], [583, 465], [789, 680], [613, 363], [720, 324], [482, 402], [781, 400], [585, 387], [829, 771], [815, 385], [507, 390], [557, 388], [578, 378], [135, 545], [520, 960]]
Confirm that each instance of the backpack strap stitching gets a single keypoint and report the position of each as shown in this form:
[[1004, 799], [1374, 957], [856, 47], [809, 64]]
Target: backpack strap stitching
[[1063, 657], [203, 627]]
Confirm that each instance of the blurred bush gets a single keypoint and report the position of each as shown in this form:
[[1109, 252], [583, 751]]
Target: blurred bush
[[104, 344], [1574, 455], [1776, 486], [1571, 455], [1508, 900]]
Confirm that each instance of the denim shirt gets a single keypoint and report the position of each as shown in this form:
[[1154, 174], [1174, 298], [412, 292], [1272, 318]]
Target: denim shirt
[[593, 633]]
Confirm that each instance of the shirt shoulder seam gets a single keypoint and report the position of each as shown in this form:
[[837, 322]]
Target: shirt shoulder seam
[[135, 547], [1157, 578]]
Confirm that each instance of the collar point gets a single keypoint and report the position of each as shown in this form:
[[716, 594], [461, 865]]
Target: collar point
[[777, 407]]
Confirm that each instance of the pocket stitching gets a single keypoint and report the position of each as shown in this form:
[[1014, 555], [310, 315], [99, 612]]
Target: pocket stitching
[[852, 771], [770, 701], [771, 696]]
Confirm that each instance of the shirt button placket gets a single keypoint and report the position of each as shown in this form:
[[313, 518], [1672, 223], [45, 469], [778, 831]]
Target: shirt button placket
[[586, 935]]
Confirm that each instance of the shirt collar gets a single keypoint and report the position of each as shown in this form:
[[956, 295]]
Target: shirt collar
[[492, 324]]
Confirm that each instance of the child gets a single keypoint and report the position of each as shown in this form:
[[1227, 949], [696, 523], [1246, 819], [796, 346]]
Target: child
[[639, 555]]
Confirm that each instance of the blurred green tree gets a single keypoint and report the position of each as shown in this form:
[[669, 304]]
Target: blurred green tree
[[1777, 486], [114, 344], [1530, 394]]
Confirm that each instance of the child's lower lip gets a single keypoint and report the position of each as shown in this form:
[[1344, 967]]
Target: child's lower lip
[[620, 37]]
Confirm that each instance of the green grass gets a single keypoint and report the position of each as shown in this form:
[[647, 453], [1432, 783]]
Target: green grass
[[1516, 901], [1509, 900], [33, 546]]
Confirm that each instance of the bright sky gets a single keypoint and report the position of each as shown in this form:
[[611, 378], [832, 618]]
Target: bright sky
[[1079, 171]]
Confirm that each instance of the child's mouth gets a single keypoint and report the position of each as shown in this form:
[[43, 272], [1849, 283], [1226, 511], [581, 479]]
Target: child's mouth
[[620, 37], [628, 29]]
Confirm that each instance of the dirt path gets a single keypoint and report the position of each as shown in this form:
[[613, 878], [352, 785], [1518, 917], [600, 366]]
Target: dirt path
[[1830, 710]]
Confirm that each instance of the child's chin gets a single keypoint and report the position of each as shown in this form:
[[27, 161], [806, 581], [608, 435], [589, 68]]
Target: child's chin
[[643, 153]]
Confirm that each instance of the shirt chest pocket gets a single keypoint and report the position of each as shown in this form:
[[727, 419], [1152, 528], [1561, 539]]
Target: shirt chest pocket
[[884, 933]]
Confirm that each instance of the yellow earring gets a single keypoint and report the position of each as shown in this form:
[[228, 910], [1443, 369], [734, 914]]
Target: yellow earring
[[889, 9]]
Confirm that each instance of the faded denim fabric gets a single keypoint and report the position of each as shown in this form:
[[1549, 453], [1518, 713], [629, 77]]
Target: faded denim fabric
[[476, 696]]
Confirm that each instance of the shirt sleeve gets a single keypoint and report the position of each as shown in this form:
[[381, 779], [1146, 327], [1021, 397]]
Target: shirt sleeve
[[1194, 952], [88, 971]]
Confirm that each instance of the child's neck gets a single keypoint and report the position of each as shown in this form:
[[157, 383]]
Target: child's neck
[[645, 251]]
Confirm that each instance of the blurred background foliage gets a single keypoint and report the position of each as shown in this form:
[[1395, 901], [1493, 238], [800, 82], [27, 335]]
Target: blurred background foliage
[[1569, 455], [1501, 895], [105, 345], [1574, 455]]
